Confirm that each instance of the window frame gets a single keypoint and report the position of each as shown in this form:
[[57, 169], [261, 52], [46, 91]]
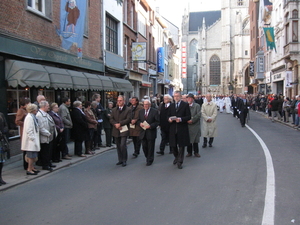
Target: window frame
[[111, 34], [215, 70]]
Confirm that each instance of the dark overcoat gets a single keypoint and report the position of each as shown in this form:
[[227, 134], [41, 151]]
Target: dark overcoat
[[123, 117], [153, 120], [135, 132], [80, 126], [181, 128]]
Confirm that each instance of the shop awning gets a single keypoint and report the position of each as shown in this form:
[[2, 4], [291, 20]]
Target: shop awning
[[121, 85], [26, 74], [80, 81], [107, 84], [59, 78], [94, 81]]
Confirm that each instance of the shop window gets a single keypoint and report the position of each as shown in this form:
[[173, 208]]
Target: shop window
[[13, 101], [81, 96]]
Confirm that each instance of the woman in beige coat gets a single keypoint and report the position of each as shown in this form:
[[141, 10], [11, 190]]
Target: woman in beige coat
[[31, 138]]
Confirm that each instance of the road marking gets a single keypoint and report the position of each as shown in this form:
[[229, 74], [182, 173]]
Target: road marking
[[269, 208]]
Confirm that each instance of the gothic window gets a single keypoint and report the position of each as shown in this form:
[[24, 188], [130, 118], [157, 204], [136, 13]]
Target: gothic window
[[295, 31], [215, 70], [193, 48], [295, 14], [240, 2]]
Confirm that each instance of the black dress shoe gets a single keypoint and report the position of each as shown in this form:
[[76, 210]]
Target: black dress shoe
[[148, 164], [36, 171], [210, 145], [124, 164], [179, 166], [53, 166], [160, 153], [135, 155], [119, 163], [47, 168], [204, 146], [2, 182], [175, 161], [29, 173]]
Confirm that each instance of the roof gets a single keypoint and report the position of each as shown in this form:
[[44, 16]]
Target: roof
[[196, 19]]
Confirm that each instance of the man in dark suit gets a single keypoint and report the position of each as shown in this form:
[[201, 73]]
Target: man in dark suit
[[179, 114], [80, 127], [243, 109], [234, 105], [164, 123], [99, 111], [148, 132], [120, 118]]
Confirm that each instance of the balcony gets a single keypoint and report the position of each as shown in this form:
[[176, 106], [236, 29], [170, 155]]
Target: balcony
[[292, 50]]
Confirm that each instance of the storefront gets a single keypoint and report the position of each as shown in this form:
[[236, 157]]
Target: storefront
[[278, 83], [28, 70]]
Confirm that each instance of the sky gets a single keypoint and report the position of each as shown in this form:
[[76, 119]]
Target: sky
[[173, 10]]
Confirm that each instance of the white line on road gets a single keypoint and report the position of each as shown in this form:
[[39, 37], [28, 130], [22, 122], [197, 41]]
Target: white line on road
[[269, 209]]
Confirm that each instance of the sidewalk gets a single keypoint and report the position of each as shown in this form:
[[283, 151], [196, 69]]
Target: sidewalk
[[14, 174], [289, 124]]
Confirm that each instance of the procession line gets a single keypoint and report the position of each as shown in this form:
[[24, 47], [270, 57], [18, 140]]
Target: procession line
[[269, 208]]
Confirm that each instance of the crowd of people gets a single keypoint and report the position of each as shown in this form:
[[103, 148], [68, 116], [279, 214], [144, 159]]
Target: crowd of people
[[45, 129]]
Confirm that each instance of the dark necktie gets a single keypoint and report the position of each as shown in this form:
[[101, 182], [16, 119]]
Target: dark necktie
[[177, 105], [146, 114]]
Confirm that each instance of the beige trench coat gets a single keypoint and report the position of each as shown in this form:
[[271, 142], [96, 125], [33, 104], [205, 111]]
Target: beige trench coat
[[209, 129]]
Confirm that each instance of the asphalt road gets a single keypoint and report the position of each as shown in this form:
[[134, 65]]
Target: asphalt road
[[226, 186]]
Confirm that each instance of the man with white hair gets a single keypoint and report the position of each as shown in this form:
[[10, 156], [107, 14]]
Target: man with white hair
[[164, 123], [148, 121], [209, 114]]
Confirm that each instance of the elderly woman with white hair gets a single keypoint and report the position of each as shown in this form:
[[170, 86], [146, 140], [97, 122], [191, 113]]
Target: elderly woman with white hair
[[47, 134], [31, 138]]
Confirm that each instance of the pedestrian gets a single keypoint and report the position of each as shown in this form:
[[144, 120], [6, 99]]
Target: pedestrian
[[286, 109], [47, 134], [92, 127], [4, 146], [275, 107], [59, 125], [134, 129], [243, 109], [65, 115], [164, 124], [234, 104], [120, 119], [100, 109], [39, 98], [107, 125], [209, 114], [227, 102], [94, 143], [80, 128], [31, 138], [179, 114], [19, 121], [194, 126], [148, 120]]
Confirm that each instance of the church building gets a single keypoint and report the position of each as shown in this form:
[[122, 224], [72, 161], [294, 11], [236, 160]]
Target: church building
[[217, 46]]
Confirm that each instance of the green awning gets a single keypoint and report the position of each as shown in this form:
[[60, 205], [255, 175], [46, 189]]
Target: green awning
[[26, 74], [80, 81], [121, 85], [94, 81], [59, 78]]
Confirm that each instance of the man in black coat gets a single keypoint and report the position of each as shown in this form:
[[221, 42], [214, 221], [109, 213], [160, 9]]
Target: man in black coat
[[234, 105], [99, 110], [80, 127], [243, 109], [148, 132], [164, 123], [179, 114]]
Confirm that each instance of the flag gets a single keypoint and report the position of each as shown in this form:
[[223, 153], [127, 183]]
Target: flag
[[72, 21], [270, 38]]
